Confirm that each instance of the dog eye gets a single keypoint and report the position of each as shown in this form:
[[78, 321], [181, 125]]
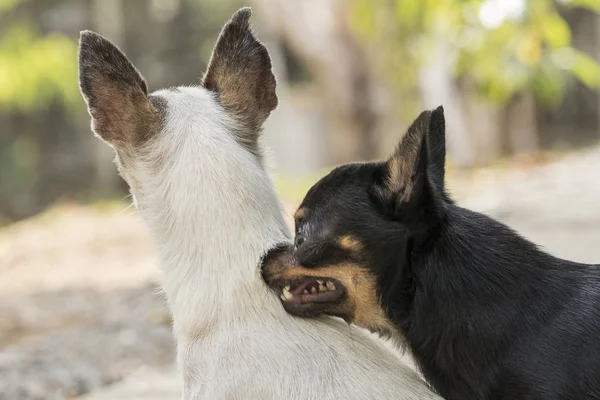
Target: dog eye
[[299, 240]]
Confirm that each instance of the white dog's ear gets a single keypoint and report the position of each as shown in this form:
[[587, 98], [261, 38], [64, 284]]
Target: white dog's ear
[[115, 92], [240, 74]]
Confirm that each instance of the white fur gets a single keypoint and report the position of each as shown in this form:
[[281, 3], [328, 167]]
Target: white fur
[[214, 213]]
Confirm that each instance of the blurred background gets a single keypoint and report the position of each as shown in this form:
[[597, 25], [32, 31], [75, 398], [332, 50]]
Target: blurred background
[[79, 309]]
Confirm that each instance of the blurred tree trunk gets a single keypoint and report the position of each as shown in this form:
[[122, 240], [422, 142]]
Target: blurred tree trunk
[[318, 32], [575, 122], [483, 126], [438, 87], [597, 58], [584, 126], [45, 157], [500, 131], [291, 133], [520, 125]]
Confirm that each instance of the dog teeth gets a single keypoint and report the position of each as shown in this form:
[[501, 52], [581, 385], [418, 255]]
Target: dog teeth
[[286, 293], [324, 286]]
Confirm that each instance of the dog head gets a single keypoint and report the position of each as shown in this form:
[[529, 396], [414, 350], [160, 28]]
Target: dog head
[[152, 134], [354, 230]]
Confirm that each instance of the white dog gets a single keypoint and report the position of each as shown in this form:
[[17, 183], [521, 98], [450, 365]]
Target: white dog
[[192, 158]]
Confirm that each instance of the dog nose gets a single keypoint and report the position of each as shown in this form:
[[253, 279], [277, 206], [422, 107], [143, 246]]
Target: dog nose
[[278, 251]]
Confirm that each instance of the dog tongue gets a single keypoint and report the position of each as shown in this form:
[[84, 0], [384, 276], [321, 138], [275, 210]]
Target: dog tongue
[[304, 285]]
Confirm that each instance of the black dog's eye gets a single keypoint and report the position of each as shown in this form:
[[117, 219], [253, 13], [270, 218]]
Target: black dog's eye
[[299, 240]]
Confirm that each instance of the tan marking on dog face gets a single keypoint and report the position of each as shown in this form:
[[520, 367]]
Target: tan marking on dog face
[[300, 213], [350, 243], [360, 306]]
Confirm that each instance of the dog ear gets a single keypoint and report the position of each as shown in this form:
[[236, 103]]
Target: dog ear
[[436, 152], [115, 92], [239, 72], [405, 172]]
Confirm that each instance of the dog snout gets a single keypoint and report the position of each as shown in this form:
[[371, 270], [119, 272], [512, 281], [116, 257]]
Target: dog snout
[[277, 261], [279, 254]]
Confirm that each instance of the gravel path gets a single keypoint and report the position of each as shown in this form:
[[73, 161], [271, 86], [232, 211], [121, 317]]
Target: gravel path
[[91, 339], [557, 205], [79, 304], [145, 384], [81, 315]]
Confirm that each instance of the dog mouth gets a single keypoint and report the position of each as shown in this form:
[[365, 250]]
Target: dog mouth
[[308, 290], [301, 294]]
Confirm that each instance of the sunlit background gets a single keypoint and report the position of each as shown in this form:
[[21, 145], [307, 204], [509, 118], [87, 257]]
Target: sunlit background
[[79, 311]]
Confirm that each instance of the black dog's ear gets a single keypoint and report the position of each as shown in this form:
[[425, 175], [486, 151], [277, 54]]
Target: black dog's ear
[[115, 92], [239, 72], [405, 175], [436, 142]]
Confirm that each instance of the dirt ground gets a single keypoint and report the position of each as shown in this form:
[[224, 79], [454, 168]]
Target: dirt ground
[[81, 314], [79, 303]]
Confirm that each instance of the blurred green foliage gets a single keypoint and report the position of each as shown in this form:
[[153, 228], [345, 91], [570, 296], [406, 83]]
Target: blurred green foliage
[[292, 189], [35, 70], [500, 46], [7, 5], [38, 80]]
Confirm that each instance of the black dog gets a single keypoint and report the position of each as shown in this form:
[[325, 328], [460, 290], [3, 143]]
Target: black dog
[[485, 313]]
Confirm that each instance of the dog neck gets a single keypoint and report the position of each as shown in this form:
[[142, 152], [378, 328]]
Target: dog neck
[[213, 219], [485, 287]]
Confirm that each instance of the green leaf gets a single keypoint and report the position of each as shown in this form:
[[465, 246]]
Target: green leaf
[[7, 5], [585, 69], [531, 52], [555, 31], [36, 70], [548, 85], [362, 18], [408, 11]]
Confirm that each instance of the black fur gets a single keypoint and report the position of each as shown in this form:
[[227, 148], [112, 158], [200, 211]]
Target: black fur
[[486, 314]]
